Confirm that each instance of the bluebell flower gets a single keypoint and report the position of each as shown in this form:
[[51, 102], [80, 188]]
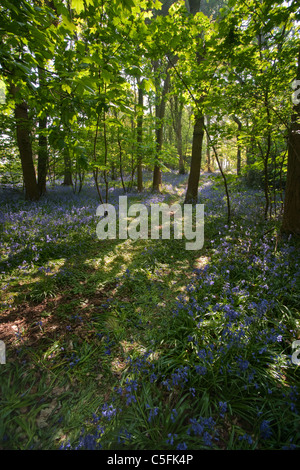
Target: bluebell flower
[[207, 439], [171, 438], [108, 411], [182, 446], [153, 412], [246, 437], [200, 370], [223, 408], [265, 429], [174, 414]]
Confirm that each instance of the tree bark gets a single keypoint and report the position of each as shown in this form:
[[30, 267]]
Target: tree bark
[[160, 114], [25, 148], [42, 156], [176, 110], [291, 214], [120, 161], [67, 168], [239, 150], [191, 196], [194, 6], [43, 149], [139, 138], [208, 156]]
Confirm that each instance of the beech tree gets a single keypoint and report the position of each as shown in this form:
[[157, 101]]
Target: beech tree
[[23, 131], [291, 215], [21, 64]]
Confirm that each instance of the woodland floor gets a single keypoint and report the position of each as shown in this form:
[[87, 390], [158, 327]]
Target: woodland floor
[[103, 339]]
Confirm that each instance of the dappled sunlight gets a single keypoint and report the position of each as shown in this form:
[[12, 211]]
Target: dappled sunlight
[[149, 222], [156, 327], [201, 262]]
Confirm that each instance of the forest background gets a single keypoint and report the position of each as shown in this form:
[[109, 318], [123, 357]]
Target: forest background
[[173, 101]]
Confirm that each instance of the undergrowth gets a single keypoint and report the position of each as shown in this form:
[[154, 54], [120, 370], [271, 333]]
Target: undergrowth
[[144, 345]]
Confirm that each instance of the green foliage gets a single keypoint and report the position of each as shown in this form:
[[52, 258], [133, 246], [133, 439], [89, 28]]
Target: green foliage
[[146, 352]]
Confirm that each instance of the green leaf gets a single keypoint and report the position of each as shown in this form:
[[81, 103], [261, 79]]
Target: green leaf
[[128, 4], [134, 70], [148, 84], [106, 76], [88, 88], [60, 143], [23, 68], [78, 5], [66, 23], [66, 88]]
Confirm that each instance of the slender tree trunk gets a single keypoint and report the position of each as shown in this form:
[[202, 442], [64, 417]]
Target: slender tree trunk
[[156, 178], [160, 114], [208, 156], [105, 156], [43, 149], [281, 182], [239, 150], [113, 174], [96, 169], [25, 148], [120, 161], [181, 160], [191, 196], [291, 214], [67, 168], [266, 159], [139, 138], [176, 111], [42, 156]]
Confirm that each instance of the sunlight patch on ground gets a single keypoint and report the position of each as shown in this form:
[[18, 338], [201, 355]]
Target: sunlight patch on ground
[[201, 262]]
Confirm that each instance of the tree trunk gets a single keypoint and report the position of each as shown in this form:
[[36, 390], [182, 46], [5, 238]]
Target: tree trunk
[[42, 156], [191, 196], [113, 175], [291, 214], [208, 156], [67, 168], [120, 161], [194, 6], [139, 138], [42, 150], [156, 178], [266, 159], [160, 114], [25, 148], [239, 150], [176, 110]]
